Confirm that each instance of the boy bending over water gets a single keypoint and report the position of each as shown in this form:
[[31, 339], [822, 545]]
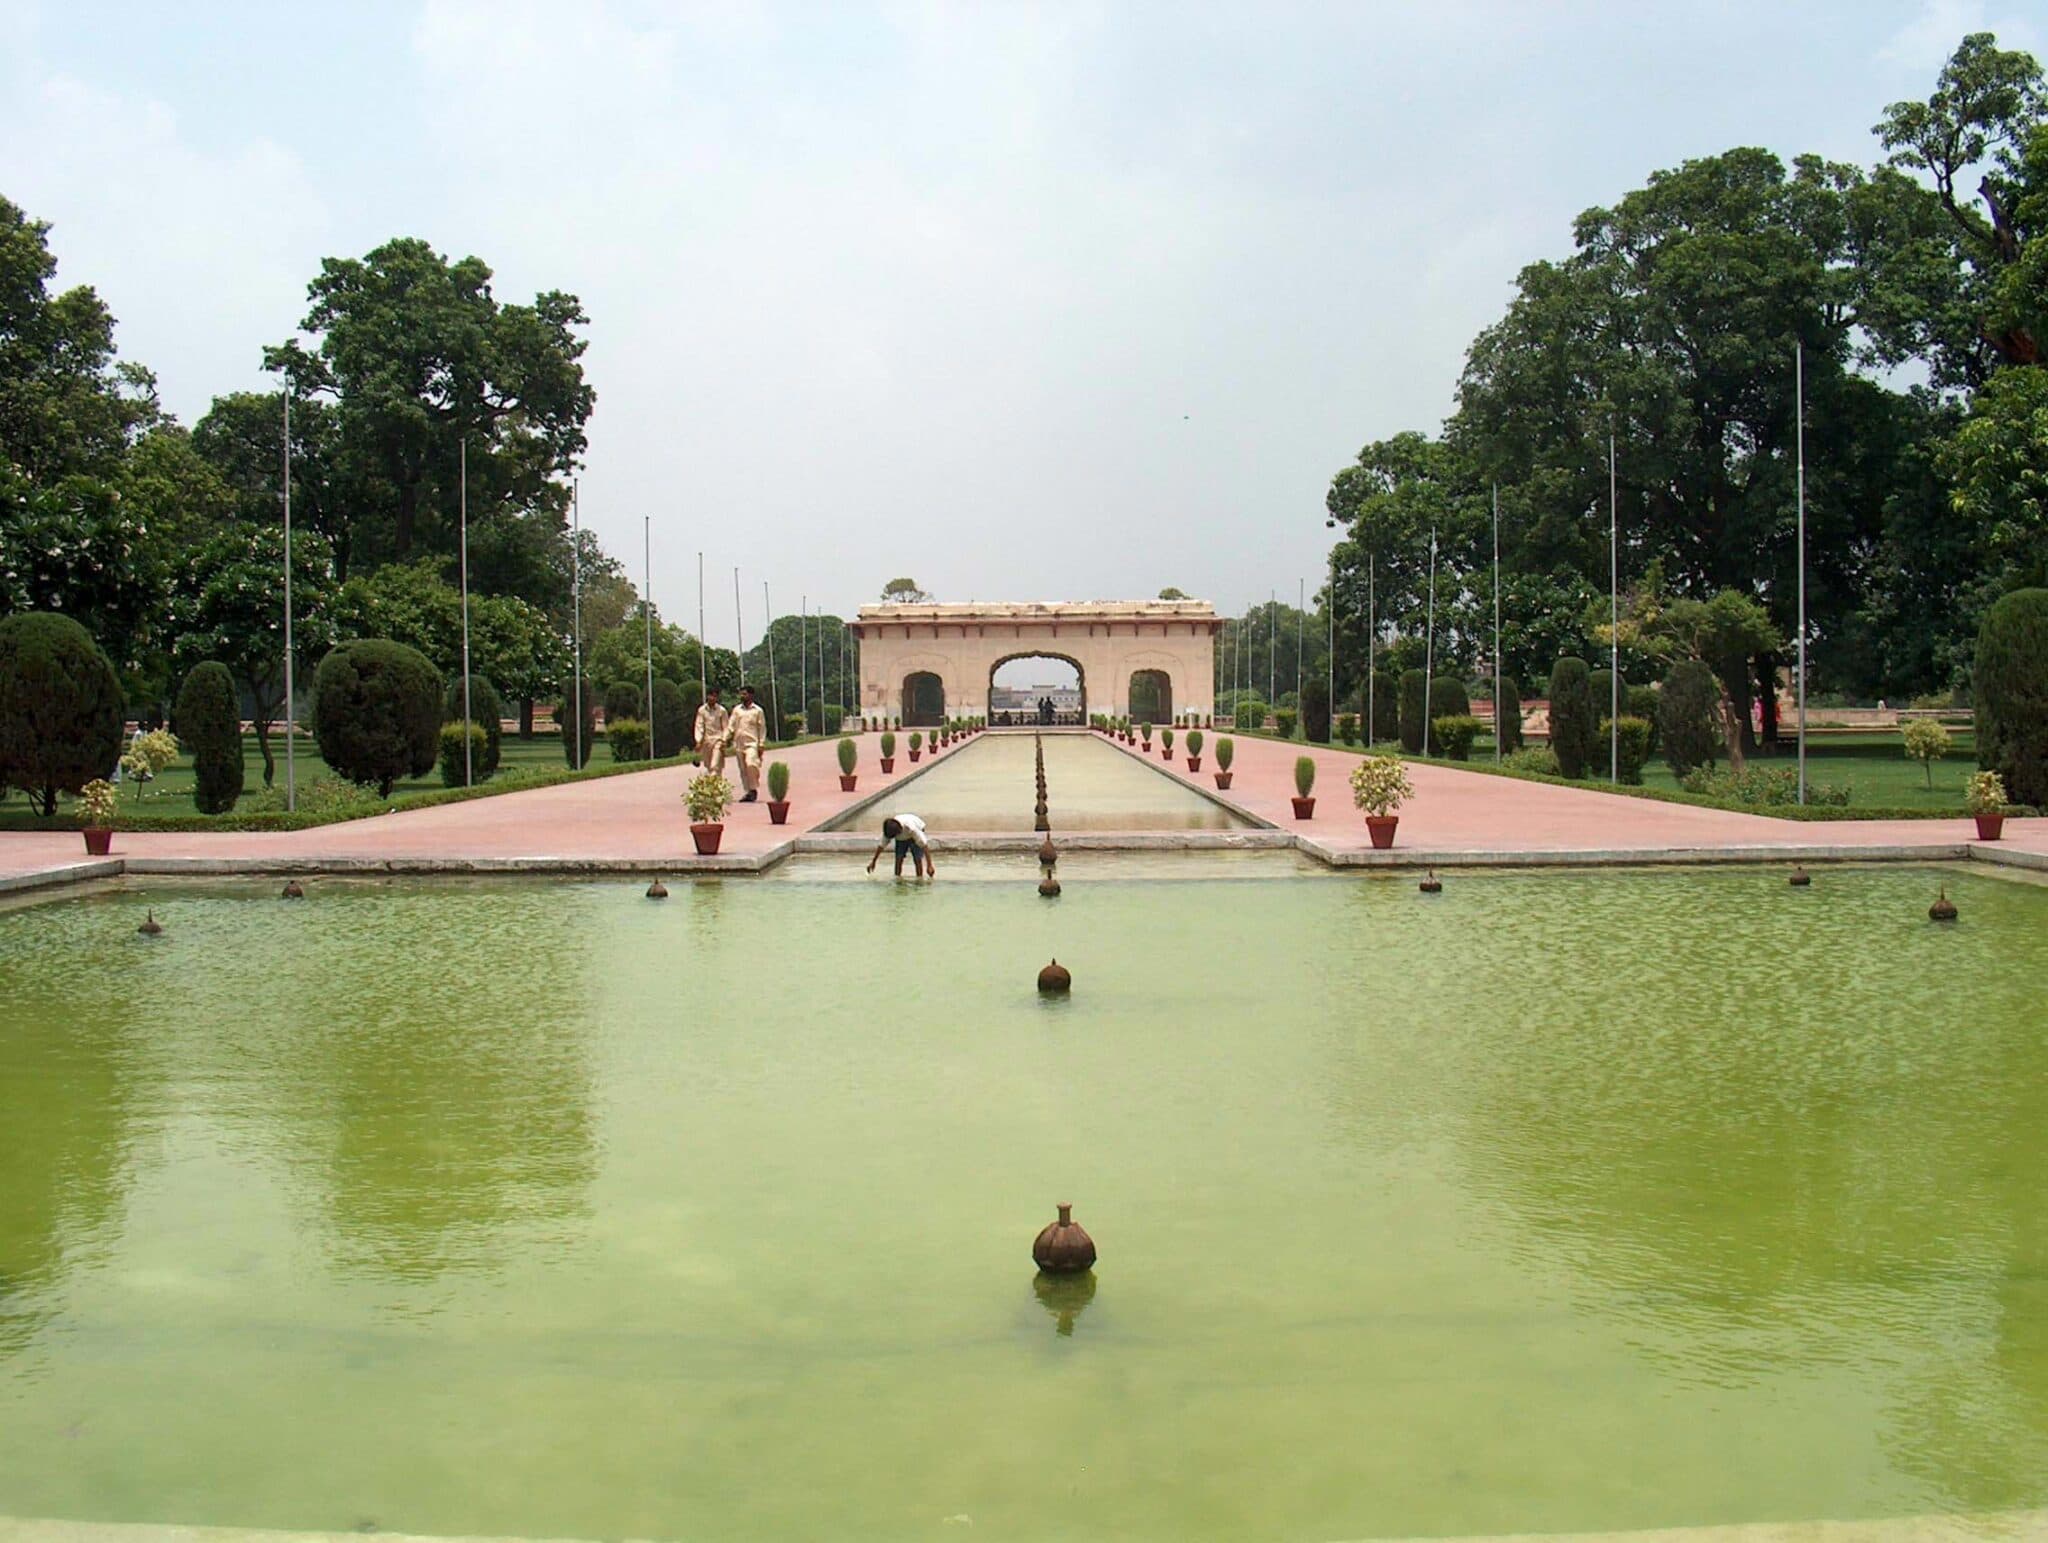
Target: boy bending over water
[[907, 831]]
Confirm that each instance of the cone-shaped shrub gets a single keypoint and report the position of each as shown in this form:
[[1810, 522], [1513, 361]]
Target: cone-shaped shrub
[[565, 715], [1507, 715], [1686, 712], [1315, 710], [2012, 694], [486, 711], [1304, 775], [622, 700], [778, 780], [1574, 725], [60, 707], [209, 719], [1413, 684], [377, 712], [671, 719]]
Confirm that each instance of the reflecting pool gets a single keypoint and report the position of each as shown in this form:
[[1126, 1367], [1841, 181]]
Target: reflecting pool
[[1555, 1202], [986, 785]]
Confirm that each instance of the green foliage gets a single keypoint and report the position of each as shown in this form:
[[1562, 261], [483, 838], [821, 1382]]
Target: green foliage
[[1347, 728], [1540, 760], [849, 756], [707, 798], [672, 719], [99, 804], [1379, 784], [1250, 713], [1226, 750], [1630, 744], [2012, 694], [377, 712], [209, 721], [60, 706], [1507, 716], [1761, 787], [1304, 775], [1413, 685], [1641, 702], [622, 700], [1687, 708], [1985, 793], [1195, 741], [1384, 701], [1166, 741], [452, 739], [1452, 735], [1574, 723], [888, 743], [916, 741], [629, 738], [1926, 741], [1283, 722], [565, 720], [1315, 710], [487, 712], [778, 780], [1602, 688]]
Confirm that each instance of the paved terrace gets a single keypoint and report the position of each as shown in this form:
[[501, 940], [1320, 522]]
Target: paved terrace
[[638, 823]]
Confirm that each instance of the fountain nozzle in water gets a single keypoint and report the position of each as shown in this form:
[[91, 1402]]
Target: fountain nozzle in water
[[1063, 1248], [657, 891], [1055, 980], [1943, 909], [151, 927]]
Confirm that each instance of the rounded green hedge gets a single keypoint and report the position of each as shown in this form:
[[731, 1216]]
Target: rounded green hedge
[[1414, 684], [377, 712], [487, 712], [565, 719], [1687, 708], [1574, 722], [672, 719], [2012, 694], [60, 708], [209, 722]]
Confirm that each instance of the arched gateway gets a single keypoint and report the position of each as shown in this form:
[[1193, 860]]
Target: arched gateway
[[1109, 642]]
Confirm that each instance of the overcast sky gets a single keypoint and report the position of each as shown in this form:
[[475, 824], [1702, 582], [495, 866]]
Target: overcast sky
[[1024, 301]]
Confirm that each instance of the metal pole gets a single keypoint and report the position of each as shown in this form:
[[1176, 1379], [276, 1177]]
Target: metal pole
[[842, 674], [1333, 632], [803, 661], [703, 649], [1613, 622], [1799, 399], [291, 781], [1372, 646], [647, 611], [576, 613], [1272, 647], [468, 770], [1300, 633], [1429, 643], [739, 626], [1498, 720], [774, 691]]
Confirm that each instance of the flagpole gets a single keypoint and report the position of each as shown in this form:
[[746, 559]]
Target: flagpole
[[576, 613], [1799, 398], [703, 652], [1498, 720], [647, 613], [1372, 646], [468, 770], [739, 625], [1300, 638], [291, 781], [803, 660], [1429, 643], [1613, 622], [1333, 632], [774, 690], [1272, 647]]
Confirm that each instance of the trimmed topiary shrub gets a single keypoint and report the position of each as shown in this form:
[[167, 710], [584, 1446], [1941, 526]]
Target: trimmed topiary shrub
[[1631, 746], [1641, 702], [60, 708], [1600, 685], [672, 719], [452, 737], [849, 756], [1385, 704], [1413, 683], [1507, 716], [1315, 710], [1250, 713], [1347, 728], [1540, 759], [622, 699], [2012, 694], [1283, 722], [1452, 735], [1574, 725], [565, 715], [1687, 710], [628, 737], [1304, 775], [377, 712], [1226, 752], [210, 725], [486, 711]]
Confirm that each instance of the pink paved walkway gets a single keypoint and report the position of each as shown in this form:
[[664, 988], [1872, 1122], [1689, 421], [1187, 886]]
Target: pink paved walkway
[[1454, 811]]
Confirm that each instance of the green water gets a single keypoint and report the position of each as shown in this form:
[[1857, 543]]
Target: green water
[[1555, 1202], [987, 785]]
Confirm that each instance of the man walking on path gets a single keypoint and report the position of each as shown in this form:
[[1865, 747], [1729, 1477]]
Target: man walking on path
[[746, 733], [711, 734], [907, 831]]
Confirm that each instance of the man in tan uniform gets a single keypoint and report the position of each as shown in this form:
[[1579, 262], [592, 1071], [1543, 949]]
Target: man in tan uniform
[[711, 734], [746, 735]]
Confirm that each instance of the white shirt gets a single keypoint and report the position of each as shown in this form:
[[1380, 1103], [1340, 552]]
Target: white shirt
[[911, 827]]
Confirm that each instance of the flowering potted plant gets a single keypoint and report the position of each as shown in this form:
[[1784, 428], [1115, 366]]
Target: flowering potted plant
[[1304, 787], [1226, 751], [888, 752], [98, 802], [1379, 784], [1984, 796], [916, 745], [1194, 750], [778, 792], [849, 753], [707, 798]]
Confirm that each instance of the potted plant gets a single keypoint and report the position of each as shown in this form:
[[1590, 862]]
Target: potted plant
[[98, 802], [888, 752], [849, 753], [1304, 787], [1226, 750], [778, 792], [1166, 745], [1379, 784], [707, 798], [1984, 796], [916, 745], [1194, 750], [1145, 733]]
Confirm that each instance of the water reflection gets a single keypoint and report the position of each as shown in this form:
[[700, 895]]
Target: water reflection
[[1064, 1297]]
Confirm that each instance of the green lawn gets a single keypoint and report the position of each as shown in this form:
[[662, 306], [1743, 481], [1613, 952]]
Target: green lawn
[[172, 791]]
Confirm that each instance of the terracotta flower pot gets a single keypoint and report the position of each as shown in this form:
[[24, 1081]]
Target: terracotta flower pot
[[1165, 752], [846, 783], [1381, 828], [1304, 808], [99, 842], [888, 764], [778, 811], [914, 755], [1988, 827], [1194, 763], [707, 836], [1222, 782]]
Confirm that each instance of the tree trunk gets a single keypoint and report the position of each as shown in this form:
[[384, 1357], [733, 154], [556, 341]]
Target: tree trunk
[[1734, 729], [526, 717], [1767, 694], [263, 744]]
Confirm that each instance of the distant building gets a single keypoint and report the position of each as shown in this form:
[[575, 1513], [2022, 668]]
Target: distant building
[[1025, 699]]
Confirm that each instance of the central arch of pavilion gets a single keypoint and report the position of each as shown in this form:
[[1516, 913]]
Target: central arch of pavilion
[[923, 663]]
